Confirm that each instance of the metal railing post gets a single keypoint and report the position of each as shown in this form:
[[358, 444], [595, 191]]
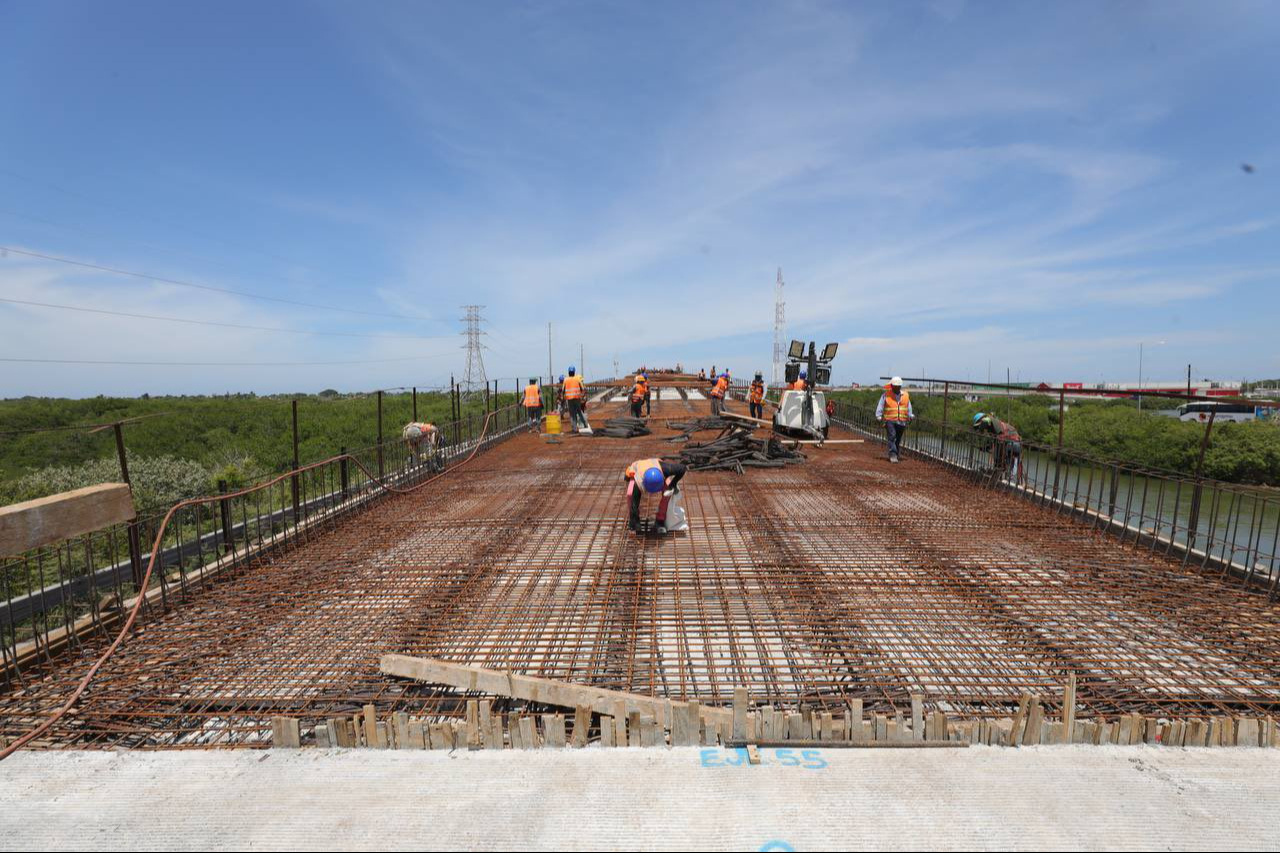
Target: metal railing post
[[293, 481], [135, 547], [224, 512]]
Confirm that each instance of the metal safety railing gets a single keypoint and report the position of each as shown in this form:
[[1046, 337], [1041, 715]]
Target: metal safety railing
[[1229, 528], [55, 598]]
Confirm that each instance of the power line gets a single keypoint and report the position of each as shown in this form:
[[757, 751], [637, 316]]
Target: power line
[[222, 325], [180, 283], [213, 363]]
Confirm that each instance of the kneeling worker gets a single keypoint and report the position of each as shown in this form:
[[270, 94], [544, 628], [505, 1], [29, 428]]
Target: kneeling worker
[[652, 476], [1008, 445], [533, 403], [423, 439]]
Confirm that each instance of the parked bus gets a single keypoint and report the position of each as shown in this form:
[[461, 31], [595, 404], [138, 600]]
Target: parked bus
[[1235, 412]]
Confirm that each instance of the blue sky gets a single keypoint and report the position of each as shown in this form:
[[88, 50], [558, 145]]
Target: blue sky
[[946, 186]]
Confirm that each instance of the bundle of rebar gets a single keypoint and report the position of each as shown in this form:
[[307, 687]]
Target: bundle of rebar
[[689, 427], [735, 450], [623, 427]]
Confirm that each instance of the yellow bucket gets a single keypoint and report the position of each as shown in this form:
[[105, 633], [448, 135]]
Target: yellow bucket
[[553, 424]]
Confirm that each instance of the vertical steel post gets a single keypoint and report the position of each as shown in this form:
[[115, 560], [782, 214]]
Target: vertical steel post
[[135, 548], [946, 405], [1193, 520], [381, 473], [293, 481], [224, 511], [1057, 456], [415, 404], [342, 471]]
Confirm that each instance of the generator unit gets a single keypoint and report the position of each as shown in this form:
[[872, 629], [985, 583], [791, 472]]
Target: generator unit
[[803, 414]]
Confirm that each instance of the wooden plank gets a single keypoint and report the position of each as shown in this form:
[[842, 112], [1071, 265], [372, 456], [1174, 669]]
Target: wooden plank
[[529, 733], [650, 731], [532, 689], [513, 728], [417, 735], [1019, 718], [753, 753], [606, 730], [401, 726], [1035, 722], [323, 740], [553, 725], [917, 717], [855, 720], [741, 704], [371, 726], [633, 728], [33, 524], [1069, 710], [581, 726]]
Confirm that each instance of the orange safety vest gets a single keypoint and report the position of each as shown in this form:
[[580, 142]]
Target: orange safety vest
[[639, 392], [532, 396], [721, 385], [798, 385], [573, 388], [896, 410], [757, 392], [637, 468]]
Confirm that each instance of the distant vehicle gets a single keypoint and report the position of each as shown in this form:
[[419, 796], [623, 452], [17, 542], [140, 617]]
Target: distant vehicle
[[1234, 412]]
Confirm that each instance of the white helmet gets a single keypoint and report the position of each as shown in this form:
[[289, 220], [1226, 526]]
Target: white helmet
[[896, 381]]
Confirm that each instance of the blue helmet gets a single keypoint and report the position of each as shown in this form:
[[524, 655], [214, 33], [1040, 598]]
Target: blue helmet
[[561, 377], [653, 480], [977, 418], [571, 370], [804, 374]]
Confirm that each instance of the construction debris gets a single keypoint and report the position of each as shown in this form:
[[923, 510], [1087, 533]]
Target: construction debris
[[734, 449], [624, 427]]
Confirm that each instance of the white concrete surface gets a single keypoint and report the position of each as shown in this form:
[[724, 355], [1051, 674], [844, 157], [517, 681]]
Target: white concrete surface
[[1038, 798]]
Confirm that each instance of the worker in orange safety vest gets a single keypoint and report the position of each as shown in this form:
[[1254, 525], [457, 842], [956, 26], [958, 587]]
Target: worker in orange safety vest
[[717, 394], [533, 404], [639, 393], [651, 476], [755, 396], [575, 397], [895, 412]]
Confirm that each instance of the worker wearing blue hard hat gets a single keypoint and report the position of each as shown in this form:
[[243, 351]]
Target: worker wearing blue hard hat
[[1006, 451], [574, 393], [718, 392], [651, 476]]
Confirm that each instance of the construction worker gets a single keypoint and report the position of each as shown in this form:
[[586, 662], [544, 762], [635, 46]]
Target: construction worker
[[424, 441], [800, 384], [651, 476], [533, 403], [639, 391], [702, 373], [895, 412], [717, 394], [1007, 450], [648, 395], [755, 396], [575, 397]]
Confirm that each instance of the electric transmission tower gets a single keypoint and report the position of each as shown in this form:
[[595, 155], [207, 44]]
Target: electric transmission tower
[[779, 334], [474, 379]]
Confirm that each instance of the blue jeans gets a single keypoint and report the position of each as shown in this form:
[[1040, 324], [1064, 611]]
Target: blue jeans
[[895, 431]]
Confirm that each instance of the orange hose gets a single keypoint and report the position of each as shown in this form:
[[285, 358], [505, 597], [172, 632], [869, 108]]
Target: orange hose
[[155, 552]]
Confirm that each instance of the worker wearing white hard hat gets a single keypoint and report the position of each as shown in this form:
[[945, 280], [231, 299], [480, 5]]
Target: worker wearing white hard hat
[[895, 412]]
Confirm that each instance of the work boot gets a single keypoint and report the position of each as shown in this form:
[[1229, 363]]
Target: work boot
[[662, 530], [893, 458], [633, 524]]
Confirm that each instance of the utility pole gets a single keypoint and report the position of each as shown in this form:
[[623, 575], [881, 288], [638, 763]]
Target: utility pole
[[779, 333], [582, 362], [475, 377], [1188, 380], [551, 372]]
